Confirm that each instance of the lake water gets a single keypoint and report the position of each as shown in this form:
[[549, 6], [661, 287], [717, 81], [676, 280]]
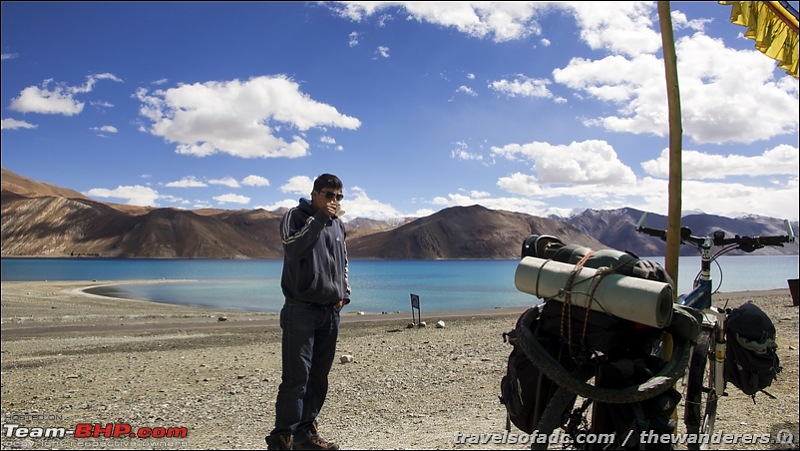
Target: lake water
[[378, 285]]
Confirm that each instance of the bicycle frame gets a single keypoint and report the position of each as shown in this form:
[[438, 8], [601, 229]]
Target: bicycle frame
[[700, 298], [699, 417]]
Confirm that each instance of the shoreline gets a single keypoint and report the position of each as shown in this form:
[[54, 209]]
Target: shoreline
[[60, 311], [53, 318]]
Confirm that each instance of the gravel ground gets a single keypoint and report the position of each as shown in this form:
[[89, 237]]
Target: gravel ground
[[70, 358]]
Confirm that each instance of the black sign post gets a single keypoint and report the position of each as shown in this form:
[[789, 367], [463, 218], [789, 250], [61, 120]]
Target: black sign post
[[415, 305]]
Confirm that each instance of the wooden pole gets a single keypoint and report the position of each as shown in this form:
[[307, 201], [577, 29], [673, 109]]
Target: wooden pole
[[675, 163], [675, 141]]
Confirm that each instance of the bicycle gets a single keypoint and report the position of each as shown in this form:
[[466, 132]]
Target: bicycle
[[569, 406], [705, 382]]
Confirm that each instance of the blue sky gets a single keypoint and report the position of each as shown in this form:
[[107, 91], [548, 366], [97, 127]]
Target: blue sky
[[531, 107]]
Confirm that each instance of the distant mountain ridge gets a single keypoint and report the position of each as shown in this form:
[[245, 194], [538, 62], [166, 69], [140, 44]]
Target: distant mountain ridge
[[43, 220]]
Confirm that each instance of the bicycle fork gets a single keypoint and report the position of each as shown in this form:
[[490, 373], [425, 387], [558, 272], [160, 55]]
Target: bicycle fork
[[719, 352]]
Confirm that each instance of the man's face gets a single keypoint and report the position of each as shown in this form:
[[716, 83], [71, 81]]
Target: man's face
[[320, 199]]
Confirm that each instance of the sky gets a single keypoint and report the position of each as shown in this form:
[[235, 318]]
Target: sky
[[532, 107]]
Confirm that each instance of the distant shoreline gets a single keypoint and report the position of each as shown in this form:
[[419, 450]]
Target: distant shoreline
[[84, 289]]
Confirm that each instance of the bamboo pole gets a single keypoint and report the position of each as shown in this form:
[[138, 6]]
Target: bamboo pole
[[675, 140]]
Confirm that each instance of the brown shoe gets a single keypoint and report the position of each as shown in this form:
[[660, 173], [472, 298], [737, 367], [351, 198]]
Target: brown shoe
[[314, 440], [279, 441]]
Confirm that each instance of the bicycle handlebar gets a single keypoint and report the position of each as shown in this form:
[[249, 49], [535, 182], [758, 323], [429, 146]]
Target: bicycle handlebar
[[745, 243]]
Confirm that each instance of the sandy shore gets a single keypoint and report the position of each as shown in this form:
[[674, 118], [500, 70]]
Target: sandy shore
[[71, 358]]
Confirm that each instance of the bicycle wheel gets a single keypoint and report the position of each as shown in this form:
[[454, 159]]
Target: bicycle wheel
[[559, 413], [553, 417], [659, 383], [701, 399]]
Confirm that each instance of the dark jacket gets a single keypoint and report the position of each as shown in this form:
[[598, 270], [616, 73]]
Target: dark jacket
[[315, 268]]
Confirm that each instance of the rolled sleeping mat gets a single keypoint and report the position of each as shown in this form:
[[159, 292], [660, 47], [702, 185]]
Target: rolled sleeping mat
[[632, 298]]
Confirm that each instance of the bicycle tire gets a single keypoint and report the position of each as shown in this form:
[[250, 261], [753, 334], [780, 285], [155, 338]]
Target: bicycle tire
[[701, 400], [558, 406], [661, 382], [553, 416]]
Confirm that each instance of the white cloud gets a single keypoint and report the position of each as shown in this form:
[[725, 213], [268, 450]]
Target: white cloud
[[622, 27], [13, 124], [242, 119], [255, 180], [232, 199], [34, 99], [522, 86], [500, 21], [133, 195], [101, 104], [462, 153], [781, 160], [60, 99], [466, 90], [105, 129], [358, 204], [714, 107], [299, 184], [590, 162], [187, 182], [226, 181], [353, 39]]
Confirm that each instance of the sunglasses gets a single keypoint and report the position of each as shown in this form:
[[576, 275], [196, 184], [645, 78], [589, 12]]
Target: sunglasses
[[331, 195]]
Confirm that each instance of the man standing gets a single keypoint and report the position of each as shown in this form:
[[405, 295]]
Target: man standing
[[316, 287]]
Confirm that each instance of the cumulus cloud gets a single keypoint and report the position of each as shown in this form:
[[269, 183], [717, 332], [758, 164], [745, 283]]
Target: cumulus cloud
[[782, 160], [299, 184], [715, 108], [13, 124], [230, 182], [255, 180], [56, 98], [187, 182], [499, 21], [256, 118], [522, 86], [232, 199], [131, 195], [590, 162]]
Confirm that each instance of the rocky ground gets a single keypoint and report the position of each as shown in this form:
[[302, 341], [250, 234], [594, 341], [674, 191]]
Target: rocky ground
[[70, 358]]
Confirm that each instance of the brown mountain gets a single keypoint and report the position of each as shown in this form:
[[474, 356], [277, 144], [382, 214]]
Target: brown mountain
[[43, 220], [40, 219], [26, 187], [59, 227], [464, 232]]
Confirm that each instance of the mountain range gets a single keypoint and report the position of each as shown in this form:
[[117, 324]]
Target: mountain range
[[44, 220]]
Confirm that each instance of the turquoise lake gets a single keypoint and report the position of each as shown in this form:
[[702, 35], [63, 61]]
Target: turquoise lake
[[378, 285]]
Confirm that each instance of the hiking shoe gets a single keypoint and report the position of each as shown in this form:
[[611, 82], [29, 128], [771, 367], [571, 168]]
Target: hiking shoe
[[279, 441], [314, 441]]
